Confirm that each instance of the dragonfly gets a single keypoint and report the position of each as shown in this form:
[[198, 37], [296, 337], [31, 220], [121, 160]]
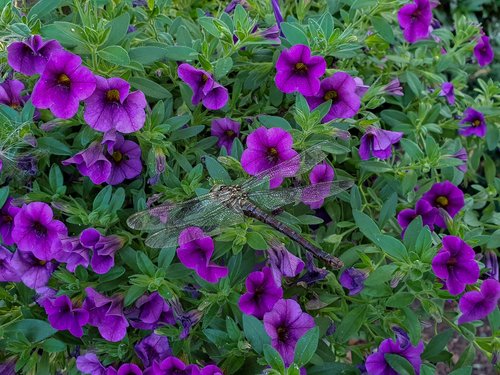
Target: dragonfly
[[226, 205]]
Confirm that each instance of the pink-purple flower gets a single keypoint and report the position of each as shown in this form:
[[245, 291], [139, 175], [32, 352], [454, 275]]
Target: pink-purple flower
[[415, 20], [8, 272], [226, 130], [378, 142], [7, 215], [319, 176], [31, 56], [448, 91], [34, 273], [63, 315], [476, 305], [446, 196], [483, 51], [152, 348], [172, 366], [473, 123], [462, 155], [149, 312], [353, 279], [262, 293], [283, 263], [394, 88], [10, 93], [298, 71], [423, 209]]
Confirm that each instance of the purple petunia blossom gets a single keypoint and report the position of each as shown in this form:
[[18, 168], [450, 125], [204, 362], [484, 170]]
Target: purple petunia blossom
[[187, 319], [277, 12], [415, 20], [448, 91], [211, 370], [36, 231], [63, 84], [103, 251], [226, 130], [34, 273], [361, 88], [461, 155], [113, 106], [283, 263], [477, 305], [483, 51], [153, 348], [476, 123], [129, 369], [447, 196], [7, 215], [423, 209], [212, 95], [10, 93], [150, 312], [267, 148], [62, 315], [298, 71], [195, 251], [377, 365], [353, 279], [378, 142], [172, 366], [261, 295], [8, 367], [271, 33], [233, 3], [341, 90], [455, 264], [320, 174], [491, 262], [74, 253], [106, 314], [31, 56], [313, 274], [92, 163], [90, 364], [7, 272], [285, 324], [394, 88]]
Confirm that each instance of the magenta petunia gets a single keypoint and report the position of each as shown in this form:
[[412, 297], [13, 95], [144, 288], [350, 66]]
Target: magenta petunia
[[298, 71], [462, 155], [113, 106], [36, 231], [477, 305], [283, 263], [150, 312], [378, 142], [483, 51], [103, 249], [153, 348], [446, 196], [8, 272], [7, 215], [394, 88], [226, 130], [34, 273], [415, 20], [473, 123], [320, 174], [341, 89], [31, 56], [423, 209], [211, 370], [275, 4], [89, 364], [261, 295], [187, 319], [172, 365], [448, 91], [353, 279], [10, 93], [491, 263], [361, 88], [455, 264], [129, 369], [267, 148], [92, 163], [63, 315]]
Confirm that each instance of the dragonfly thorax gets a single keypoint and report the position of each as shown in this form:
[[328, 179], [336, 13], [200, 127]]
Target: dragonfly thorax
[[230, 194]]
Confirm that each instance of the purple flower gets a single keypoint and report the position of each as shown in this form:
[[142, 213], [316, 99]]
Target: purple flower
[[476, 123], [271, 33], [90, 364], [226, 130], [92, 163], [423, 209], [129, 369], [353, 279], [285, 324], [74, 252], [378, 142], [36, 231], [7, 272], [455, 264], [313, 274], [233, 3], [173, 366], [211, 370], [377, 365], [62, 315], [461, 155], [106, 314], [361, 88], [187, 319], [483, 51], [195, 251], [491, 262], [341, 90], [320, 174], [7, 215], [298, 71], [478, 305], [63, 84], [103, 250], [447, 196], [153, 348], [448, 90], [205, 89], [283, 263], [261, 295], [8, 367], [267, 148], [394, 88], [112, 106], [10, 93], [415, 20], [34, 272], [277, 11], [31, 56], [149, 312]]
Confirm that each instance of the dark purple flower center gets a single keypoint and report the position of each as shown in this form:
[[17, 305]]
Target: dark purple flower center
[[476, 123], [14, 105], [416, 14], [63, 80], [42, 262], [39, 229], [272, 154], [204, 78], [300, 67], [442, 201], [331, 95], [283, 334], [7, 219], [230, 133], [452, 262], [117, 156], [113, 96]]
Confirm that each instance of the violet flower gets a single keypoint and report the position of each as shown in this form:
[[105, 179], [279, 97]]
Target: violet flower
[[483, 51], [285, 324], [341, 90], [92, 163], [10, 93], [275, 4], [90, 364], [63, 84], [262, 293], [103, 252], [476, 305], [353, 279], [7, 271], [232, 5], [153, 348], [298, 71], [9, 367], [283, 263], [394, 88], [271, 33], [34, 273], [320, 174], [31, 56], [129, 369], [461, 155], [476, 123], [448, 91], [62, 315], [378, 142], [423, 209], [7, 215], [74, 253], [491, 262], [150, 312], [447, 196], [172, 366], [415, 20], [226, 130], [113, 106], [36, 231], [267, 148], [455, 264], [313, 274], [211, 370], [361, 88], [187, 319]]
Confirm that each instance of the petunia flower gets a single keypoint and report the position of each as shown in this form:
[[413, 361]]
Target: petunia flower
[[212, 95], [285, 324], [63, 84], [378, 142], [226, 130], [8, 367], [283, 263], [129, 369], [313, 274], [491, 262], [361, 88], [455, 264], [90, 364], [92, 163], [415, 20], [173, 365], [341, 90], [394, 88], [298, 71], [150, 312], [8, 272], [103, 251], [461, 155], [423, 209], [232, 5], [476, 305], [36, 231], [447, 196], [483, 51], [62, 315], [152, 348], [261, 295], [448, 91], [353, 279], [267, 148], [187, 319], [7, 215], [476, 123], [271, 33], [10, 93], [34, 273], [31, 56], [320, 174], [211, 370], [113, 106], [275, 4]]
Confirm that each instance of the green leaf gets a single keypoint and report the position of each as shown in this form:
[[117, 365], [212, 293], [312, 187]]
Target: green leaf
[[351, 323], [115, 55], [166, 256], [216, 170], [332, 368], [392, 246], [33, 329], [412, 149], [53, 146], [274, 122], [413, 325], [256, 241], [437, 344], [119, 27], [149, 88], [186, 133], [356, 203], [400, 299], [4, 194], [414, 82], [388, 210], [222, 67], [366, 225], [462, 371], [56, 178], [273, 358], [148, 54], [381, 275], [133, 293], [255, 333], [375, 166], [293, 34], [144, 263], [180, 53], [43, 7], [306, 347], [53, 345], [399, 364], [383, 28]]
